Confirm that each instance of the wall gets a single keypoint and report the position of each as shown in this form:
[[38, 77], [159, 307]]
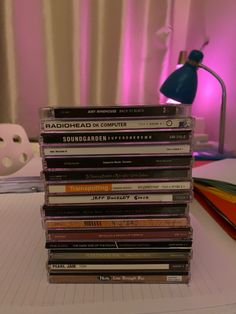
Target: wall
[[180, 20], [215, 20]]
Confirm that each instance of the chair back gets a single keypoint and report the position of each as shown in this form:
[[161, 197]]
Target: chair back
[[15, 148]]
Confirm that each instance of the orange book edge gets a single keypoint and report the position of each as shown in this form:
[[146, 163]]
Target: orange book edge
[[214, 213], [227, 208]]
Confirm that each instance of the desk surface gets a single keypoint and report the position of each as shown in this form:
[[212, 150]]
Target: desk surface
[[23, 279], [23, 274]]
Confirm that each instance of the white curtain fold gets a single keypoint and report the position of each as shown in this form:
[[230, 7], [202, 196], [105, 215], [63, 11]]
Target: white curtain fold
[[80, 52], [8, 77]]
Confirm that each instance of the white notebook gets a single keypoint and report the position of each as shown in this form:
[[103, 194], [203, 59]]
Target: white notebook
[[222, 170], [23, 279]]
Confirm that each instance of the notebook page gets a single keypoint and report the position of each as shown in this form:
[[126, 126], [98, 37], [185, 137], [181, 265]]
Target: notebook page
[[23, 278], [223, 170], [204, 305]]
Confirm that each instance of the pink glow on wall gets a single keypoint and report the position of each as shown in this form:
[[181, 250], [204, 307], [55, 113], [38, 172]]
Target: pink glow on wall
[[30, 59], [218, 23], [136, 55], [208, 99]]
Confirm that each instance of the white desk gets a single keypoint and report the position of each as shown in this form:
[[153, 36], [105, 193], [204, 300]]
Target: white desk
[[24, 287]]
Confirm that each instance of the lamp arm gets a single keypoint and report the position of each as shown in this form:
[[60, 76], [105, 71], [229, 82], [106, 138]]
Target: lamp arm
[[223, 107]]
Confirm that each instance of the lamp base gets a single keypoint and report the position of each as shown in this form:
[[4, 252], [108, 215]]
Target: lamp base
[[212, 153]]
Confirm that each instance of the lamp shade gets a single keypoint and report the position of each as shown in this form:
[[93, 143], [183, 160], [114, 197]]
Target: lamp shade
[[181, 85]]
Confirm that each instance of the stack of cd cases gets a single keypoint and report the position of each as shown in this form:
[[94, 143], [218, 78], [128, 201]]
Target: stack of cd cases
[[118, 183]]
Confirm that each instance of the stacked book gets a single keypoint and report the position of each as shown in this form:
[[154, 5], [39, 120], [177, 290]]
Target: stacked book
[[215, 189], [118, 183]]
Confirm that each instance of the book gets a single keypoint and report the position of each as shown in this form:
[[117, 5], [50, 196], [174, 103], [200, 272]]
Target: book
[[215, 214], [226, 208], [215, 189]]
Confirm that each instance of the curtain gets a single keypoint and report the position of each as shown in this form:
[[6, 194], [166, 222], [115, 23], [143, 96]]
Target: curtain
[[80, 52]]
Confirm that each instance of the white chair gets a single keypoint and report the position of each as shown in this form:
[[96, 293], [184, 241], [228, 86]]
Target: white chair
[[15, 148]]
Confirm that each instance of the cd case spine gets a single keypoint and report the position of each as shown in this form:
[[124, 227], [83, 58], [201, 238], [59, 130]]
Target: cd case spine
[[111, 210], [118, 161], [125, 278], [113, 149], [76, 188], [117, 137], [121, 235], [89, 112], [116, 223], [121, 175], [52, 125], [178, 197]]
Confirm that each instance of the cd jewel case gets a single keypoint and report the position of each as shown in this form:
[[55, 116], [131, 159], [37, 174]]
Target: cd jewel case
[[118, 186]]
